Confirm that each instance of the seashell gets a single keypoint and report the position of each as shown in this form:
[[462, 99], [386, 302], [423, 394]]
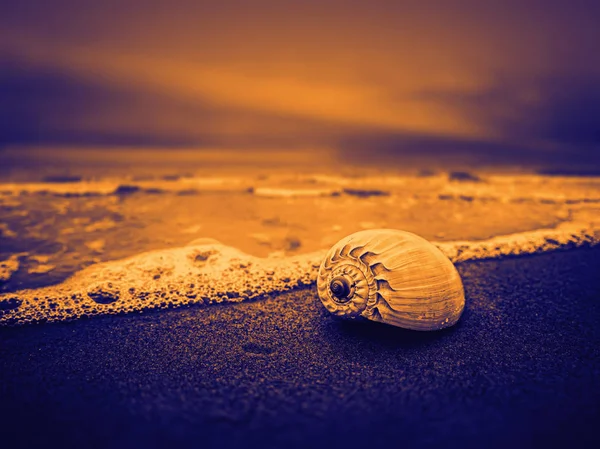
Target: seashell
[[392, 277]]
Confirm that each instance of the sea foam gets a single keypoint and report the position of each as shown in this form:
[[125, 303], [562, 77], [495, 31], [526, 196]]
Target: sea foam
[[208, 272]]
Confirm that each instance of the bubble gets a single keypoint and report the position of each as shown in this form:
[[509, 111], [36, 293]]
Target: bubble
[[103, 293], [10, 304]]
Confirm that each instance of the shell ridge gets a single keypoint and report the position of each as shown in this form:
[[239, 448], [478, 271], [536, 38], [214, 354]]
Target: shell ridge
[[354, 252], [379, 269], [345, 251], [414, 320], [388, 315], [369, 257]]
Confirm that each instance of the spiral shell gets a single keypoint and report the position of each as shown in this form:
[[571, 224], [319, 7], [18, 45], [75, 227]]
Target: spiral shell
[[393, 277]]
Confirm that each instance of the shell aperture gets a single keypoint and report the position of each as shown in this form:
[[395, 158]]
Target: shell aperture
[[393, 277], [341, 288]]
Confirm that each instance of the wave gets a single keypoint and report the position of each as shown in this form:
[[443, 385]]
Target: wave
[[125, 187], [208, 272], [502, 189]]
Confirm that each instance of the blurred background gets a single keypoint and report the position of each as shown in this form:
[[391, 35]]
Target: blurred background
[[510, 86]]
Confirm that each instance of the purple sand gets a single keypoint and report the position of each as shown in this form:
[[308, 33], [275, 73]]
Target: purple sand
[[519, 370]]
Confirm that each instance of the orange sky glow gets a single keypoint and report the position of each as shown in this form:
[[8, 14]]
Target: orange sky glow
[[305, 73]]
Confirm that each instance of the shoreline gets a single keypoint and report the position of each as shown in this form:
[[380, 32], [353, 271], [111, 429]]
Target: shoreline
[[209, 272]]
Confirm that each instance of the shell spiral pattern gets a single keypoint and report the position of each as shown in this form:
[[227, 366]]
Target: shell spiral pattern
[[393, 277]]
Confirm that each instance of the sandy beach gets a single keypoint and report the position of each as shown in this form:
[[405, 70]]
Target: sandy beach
[[311, 224], [519, 370], [182, 311], [179, 309]]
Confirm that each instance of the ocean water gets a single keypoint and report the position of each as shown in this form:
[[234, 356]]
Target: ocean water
[[85, 240]]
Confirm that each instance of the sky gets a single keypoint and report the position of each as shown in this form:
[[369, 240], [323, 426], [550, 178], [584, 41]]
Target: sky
[[511, 82]]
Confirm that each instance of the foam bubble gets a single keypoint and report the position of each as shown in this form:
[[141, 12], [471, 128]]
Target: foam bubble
[[564, 236], [201, 274]]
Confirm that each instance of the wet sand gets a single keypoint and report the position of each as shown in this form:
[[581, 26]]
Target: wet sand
[[519, 370], [54, 229]]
